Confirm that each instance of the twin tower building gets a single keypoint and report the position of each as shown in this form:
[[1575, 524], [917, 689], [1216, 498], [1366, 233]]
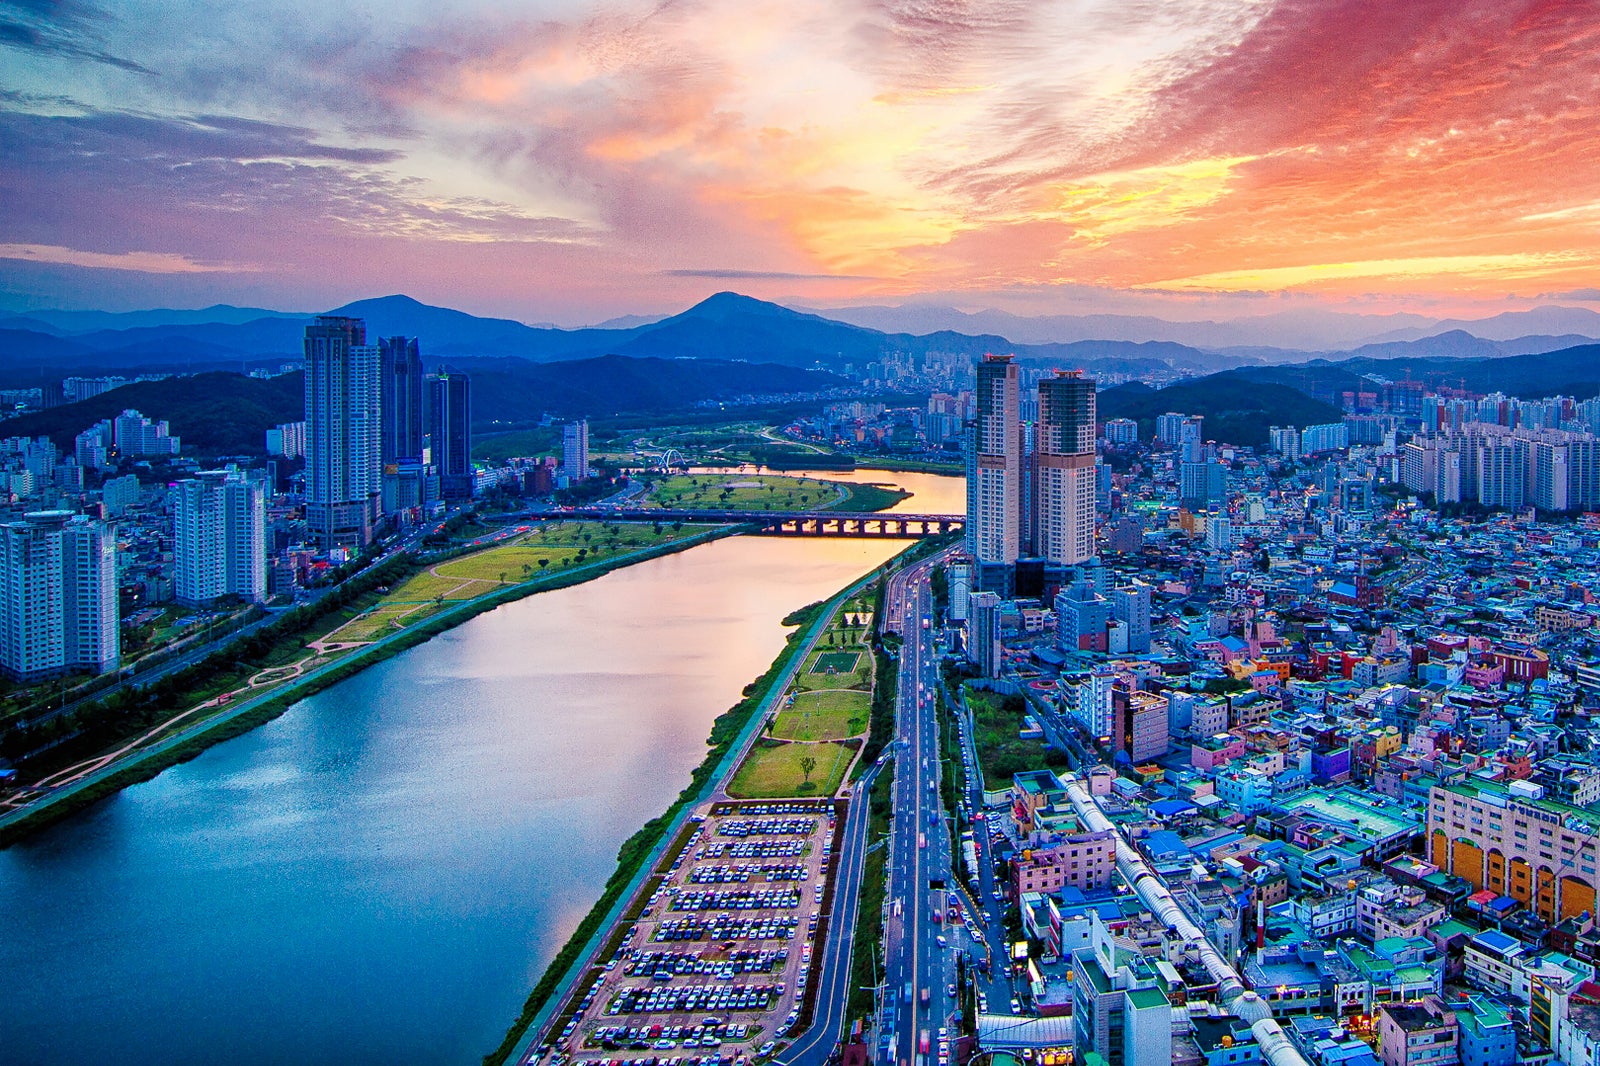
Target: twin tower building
[[383, 437], [1033, 502]]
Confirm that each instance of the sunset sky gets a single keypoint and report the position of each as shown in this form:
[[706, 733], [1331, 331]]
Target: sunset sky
[[563, 161]]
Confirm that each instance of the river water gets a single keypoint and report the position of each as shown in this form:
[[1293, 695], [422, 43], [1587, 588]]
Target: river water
[[380, 874]]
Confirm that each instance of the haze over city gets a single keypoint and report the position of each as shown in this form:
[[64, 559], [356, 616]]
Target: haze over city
[[569, 162]]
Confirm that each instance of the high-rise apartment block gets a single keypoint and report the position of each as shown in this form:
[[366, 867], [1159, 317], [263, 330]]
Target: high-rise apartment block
[[997, 487], [402, 401], [575, 451], [1064, 497], [219, 525], [58, 597], [343, 432], [450, 430]]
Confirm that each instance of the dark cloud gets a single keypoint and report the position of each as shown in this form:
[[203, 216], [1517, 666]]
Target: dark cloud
[[66, 28]]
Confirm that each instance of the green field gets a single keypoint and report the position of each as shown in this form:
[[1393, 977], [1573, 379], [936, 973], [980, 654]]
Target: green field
[[558, 546], [816, 676], [823, 716], [742, 492], [839, 662], [773, 770]]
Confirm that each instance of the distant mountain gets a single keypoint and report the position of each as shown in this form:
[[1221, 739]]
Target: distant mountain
[[1305, 330], [507, 390], [215, 414], [1237, 410], [627, 322], [1509, 325], [85, 321]]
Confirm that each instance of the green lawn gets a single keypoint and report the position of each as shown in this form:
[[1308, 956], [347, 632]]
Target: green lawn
[[743, 492], [773, 770], [823, 716], [815, 674], [839, 662]]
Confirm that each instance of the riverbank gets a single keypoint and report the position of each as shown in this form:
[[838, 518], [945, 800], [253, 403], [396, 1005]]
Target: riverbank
[[732, 735], [148, 761], [911, 466]]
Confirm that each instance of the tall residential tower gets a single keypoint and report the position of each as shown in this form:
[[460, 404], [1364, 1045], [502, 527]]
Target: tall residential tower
[[1064, 491], [58, 597], [996, 500], [343, 432]]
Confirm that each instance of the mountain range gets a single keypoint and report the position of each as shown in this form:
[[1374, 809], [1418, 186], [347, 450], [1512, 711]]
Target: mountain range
[[732, 327]]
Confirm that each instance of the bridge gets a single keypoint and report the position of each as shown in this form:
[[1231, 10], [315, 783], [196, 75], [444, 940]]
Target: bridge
[[770, 523]]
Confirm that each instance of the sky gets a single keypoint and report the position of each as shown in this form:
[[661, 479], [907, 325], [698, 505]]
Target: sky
[[554, 161]]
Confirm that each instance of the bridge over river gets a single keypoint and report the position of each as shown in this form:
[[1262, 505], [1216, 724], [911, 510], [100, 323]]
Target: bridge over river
[[771, 523]]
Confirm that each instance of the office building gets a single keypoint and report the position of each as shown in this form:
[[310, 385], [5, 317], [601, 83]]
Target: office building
[[1119, 1011], [219, 526], [575, 451], [1130, 605], [1138, 724], [343, 432], [996, 488], [983, 633], [58, 597], [1064, 459], [1201, 483], [1509, 839], [450, 421]]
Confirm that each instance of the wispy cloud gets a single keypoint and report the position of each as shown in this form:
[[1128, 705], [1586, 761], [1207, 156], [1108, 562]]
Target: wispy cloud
[[884, 147], [144, 262], [761, 275]]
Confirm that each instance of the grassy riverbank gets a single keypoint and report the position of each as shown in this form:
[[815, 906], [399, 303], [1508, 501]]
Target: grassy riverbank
[[233, 719], [725, 731]]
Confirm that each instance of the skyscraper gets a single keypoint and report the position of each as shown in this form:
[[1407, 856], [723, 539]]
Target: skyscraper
[[575, 450], [401, 400], [343, 432], [1064, 493], [997, 488], [58, 596], [219, 526], [450, 429]]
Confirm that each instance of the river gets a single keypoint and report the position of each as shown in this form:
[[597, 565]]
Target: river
[[381, 873]]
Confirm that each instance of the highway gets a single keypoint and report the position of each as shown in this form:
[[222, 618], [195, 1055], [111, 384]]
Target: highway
[[816, 1044], [918, 964]]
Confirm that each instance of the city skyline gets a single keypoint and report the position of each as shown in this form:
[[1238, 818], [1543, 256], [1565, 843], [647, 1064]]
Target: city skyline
[[576, 162]]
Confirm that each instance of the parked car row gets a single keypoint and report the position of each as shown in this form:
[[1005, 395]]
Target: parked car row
[[674, 999], [752, 900], [753, 849], [768, 827], [727, 927], [667, 964]]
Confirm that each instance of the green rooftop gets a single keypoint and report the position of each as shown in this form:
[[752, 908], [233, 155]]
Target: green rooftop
[[1145, 998], [1478, 786]]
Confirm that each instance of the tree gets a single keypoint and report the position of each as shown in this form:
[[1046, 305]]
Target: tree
[[502, 577], [543, 563], [808, 763]]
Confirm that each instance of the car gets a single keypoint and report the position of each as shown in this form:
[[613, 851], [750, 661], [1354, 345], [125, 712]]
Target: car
[[767, 1048]]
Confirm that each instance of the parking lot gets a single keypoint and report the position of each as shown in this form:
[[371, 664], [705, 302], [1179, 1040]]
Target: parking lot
[[713, 970]]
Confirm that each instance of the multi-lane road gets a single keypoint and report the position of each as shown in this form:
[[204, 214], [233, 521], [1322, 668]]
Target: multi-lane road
[[919, 963]]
